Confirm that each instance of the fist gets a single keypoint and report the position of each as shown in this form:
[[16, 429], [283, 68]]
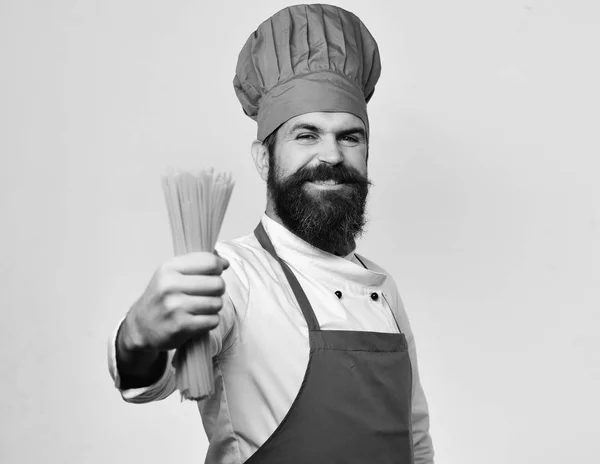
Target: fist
[[183, 299]]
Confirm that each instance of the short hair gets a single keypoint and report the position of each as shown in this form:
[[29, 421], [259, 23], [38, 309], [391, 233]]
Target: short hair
[[269, 144]]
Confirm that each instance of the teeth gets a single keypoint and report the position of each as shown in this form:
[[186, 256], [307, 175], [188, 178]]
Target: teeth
[[326, 182]]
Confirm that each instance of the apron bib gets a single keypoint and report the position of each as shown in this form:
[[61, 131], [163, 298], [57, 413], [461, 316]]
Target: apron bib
[[354, 404]]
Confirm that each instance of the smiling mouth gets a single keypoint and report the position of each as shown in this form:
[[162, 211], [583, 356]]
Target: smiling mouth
[[326, 183]]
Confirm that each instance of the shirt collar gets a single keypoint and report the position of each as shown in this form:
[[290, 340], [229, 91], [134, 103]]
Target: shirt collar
[[319, 264]]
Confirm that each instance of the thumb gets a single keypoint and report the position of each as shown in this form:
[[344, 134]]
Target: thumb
[[224, 262]]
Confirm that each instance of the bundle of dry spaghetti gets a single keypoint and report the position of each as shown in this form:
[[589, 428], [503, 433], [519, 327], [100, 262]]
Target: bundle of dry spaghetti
[[196, 202]]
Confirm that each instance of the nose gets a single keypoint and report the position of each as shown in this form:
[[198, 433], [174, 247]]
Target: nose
[[330, 152]]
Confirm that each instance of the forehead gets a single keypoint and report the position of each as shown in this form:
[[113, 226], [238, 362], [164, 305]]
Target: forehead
[[326, 121]]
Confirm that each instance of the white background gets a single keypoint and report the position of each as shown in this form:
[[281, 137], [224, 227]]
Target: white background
[[485, 155]]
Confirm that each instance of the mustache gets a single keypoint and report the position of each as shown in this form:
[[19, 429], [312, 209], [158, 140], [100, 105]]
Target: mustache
[[323, 172]]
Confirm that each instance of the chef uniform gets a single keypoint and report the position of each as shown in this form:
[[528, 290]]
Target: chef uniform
[[314, 358]]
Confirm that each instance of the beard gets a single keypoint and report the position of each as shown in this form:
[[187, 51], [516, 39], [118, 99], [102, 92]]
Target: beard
[[329, 219]]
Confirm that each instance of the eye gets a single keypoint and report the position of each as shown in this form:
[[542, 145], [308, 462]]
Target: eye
[[306, 136], [350, 139]]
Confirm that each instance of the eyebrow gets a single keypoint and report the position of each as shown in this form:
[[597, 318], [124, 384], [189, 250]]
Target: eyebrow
[[309, 127]]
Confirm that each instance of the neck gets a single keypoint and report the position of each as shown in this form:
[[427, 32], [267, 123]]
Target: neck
[[328, 248]]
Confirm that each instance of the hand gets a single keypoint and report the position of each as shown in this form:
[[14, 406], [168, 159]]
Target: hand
[[182, 300]]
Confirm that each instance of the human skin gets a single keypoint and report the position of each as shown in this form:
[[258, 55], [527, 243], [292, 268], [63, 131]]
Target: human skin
[[308, 140], [183, 297], [182, 300]]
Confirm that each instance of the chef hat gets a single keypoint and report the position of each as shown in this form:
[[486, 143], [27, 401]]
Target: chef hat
[[303, 59]]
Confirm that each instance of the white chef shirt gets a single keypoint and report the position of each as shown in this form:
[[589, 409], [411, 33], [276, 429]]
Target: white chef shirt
[[261, 346]]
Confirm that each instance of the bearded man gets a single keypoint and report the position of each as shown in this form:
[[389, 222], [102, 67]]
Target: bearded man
[[313, 355]]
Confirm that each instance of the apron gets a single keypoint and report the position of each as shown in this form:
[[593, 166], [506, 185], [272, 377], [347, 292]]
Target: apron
[[354, 404]]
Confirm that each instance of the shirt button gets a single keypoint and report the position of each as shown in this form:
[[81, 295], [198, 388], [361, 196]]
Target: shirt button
[[374, 296], [338, 294]]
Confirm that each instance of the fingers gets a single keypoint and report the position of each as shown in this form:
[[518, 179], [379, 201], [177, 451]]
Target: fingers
[[207, 285], [203, 305], [202, 324], [193, 325], [199, 263], [193, 304]]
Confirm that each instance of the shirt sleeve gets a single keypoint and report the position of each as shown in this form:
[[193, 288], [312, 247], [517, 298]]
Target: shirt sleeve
[[422, 443], [159, 390], [221, 338]]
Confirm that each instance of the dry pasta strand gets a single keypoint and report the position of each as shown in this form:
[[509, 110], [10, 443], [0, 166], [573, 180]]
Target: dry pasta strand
[[196, 205]]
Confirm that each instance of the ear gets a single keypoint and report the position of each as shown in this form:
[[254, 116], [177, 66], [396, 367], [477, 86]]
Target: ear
[[260, 155]]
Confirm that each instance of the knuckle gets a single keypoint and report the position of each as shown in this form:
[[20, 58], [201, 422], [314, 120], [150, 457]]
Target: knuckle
[[180, 326], [165, 284], [172, 303], [164, 268]]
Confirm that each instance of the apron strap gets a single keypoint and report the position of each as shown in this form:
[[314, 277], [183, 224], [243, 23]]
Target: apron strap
[[305, 306]]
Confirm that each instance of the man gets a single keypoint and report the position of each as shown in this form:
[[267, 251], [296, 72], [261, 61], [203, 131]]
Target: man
[[314, 359]]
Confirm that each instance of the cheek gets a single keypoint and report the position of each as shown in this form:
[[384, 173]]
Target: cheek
[[286, 169], [357, 159], [291, 161]]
